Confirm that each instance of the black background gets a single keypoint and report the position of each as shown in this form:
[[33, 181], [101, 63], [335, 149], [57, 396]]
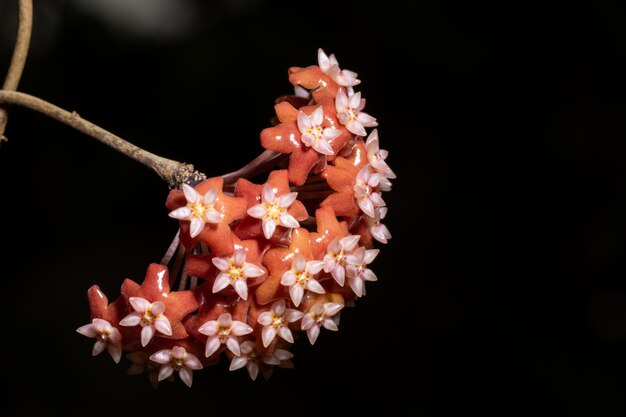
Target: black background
[[502, 291]]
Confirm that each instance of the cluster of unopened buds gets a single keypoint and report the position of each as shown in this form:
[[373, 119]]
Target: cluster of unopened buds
[[252, 268]]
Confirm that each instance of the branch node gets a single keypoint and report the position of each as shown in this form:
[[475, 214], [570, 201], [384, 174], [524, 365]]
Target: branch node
[[186, 174]]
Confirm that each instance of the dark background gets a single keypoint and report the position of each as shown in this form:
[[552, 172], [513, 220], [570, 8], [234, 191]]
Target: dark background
[[502, 291]]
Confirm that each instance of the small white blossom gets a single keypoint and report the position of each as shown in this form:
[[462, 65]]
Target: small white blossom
[[349, 113], [320, 315], [335, 258], [199, 209], [276, 321], [150, 316], [273, 210], [377, 156], [330, 66], [224, 330], [300, 277], [177, 359], [378, 230], [235, 271], [313, 134], [364, 193], [358, 272], [106, 336], [248, 358]]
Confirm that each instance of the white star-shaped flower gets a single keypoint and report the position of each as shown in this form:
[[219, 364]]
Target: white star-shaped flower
[[177, 359], [199, 209], [234, 270], [358, 272], [300, 277], [335, 258], [330, 67], [106, 336], [313, 134], [378, 230], [366, 197], [224, 330], [150, 316], [349, 113], [276, 321], [320, 315], [248, 358], [273, 210], [376, 156]]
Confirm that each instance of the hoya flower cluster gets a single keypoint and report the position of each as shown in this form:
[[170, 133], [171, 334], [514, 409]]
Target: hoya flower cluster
[[258, 265]]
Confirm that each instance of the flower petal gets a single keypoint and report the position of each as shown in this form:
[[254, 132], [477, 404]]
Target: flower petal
[[210, 197], [196, 226], [299, 263], [140, 305], [101, 326], [191, 195], [291, 315], [357, 286], [115, 350], [312, 333], [341, 101], [258, 211], [252, 270], [132, 319], [330, 309], [314, 267], [162, 356], [182, 213], [157, 308], [225, 320], [192, 362], [317, 117], [209, 328], [268, 193], [147, 333], [288, 278], [287, 220], [331, 133], [162, 324], [239, 257], [313, 285], [339, 274], [356, 127], [285, 334], [370, 255], [279, 307], [323, 147], [349, 242], [165, 372], [221, 282], [330, 325], [304, 123], [269, 227], [98, 347], [221, 263], [307, 322], [286, 200], [265, 318], [253, 369], [212, 345], [240, 328], [186, 375], [268, 334], [233, 345], [238, 362], [367, 207], [87, 330], [366, 120], [296, 292], [212, 216], [241, 288]]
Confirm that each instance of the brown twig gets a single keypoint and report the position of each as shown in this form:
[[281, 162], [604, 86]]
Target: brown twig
[[174, 172], [20, 53]]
